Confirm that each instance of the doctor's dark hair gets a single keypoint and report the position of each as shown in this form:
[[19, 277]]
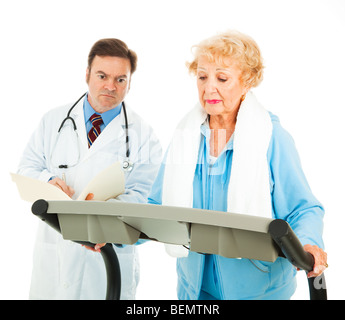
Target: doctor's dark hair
[[114, 48]]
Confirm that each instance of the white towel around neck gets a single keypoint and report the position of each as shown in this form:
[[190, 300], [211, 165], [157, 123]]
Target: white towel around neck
[[249, 186]]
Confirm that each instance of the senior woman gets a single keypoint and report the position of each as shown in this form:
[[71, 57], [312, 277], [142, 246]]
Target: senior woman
[[230, 154]]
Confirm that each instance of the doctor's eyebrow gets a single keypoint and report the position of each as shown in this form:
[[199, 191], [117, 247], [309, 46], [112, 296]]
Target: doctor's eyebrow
[[106, 75]]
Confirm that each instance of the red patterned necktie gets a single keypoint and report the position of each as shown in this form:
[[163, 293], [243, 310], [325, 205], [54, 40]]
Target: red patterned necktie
[[95, 131]]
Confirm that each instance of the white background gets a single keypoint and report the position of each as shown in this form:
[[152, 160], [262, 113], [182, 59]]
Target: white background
[[44, 48]]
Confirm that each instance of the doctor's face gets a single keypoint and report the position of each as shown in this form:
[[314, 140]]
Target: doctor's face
[[109, 82]]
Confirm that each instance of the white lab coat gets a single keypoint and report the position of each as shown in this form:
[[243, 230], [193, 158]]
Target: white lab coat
[[63, 269]]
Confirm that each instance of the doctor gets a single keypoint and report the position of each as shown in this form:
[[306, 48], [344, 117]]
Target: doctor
[[70, 157]]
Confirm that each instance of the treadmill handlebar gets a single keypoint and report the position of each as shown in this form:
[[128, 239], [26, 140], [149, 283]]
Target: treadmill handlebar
[[279, 230], [292, 248]]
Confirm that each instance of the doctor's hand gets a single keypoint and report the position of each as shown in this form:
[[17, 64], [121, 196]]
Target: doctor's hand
[[57, 182], [96, 248], [320, 258], [90, 196]]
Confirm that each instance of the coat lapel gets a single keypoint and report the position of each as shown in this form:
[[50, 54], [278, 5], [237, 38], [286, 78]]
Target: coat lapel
[[115, 130], [78, 116]]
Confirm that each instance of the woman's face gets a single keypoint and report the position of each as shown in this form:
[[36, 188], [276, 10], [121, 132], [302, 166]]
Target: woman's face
[[220, 87]]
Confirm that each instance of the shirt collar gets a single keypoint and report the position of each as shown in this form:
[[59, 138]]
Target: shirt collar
[[107, 116], [206, 131]]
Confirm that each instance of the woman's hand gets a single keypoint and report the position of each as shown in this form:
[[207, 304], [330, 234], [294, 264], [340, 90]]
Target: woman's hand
[[320, 258]]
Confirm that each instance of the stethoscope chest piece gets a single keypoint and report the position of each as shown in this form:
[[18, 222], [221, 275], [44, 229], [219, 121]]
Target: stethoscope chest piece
[[127, 165]]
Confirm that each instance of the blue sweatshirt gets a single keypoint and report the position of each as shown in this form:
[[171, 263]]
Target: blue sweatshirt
[[216, 277]]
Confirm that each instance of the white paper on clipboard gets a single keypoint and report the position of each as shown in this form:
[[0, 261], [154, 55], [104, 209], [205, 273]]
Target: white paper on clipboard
[[108, 184]]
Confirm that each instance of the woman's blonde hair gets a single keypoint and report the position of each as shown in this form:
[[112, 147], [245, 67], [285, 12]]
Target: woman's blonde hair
[[237, 46]]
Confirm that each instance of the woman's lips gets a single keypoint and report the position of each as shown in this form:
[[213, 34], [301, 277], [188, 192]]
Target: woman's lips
[[213, 101]]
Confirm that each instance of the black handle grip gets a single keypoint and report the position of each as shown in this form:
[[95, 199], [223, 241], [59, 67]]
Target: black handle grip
[[292, 248], [40, 208]]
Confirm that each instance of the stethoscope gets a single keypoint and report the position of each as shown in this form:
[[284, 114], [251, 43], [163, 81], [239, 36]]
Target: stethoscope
[[127, 165]]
